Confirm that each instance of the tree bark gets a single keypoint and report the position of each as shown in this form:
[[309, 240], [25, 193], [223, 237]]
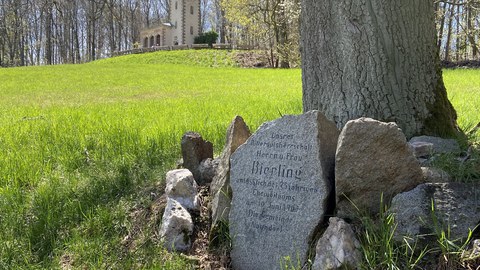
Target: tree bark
[[373, 58]]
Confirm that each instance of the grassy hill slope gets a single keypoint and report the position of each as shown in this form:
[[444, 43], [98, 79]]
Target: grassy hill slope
[[203, 58], [80, 143]]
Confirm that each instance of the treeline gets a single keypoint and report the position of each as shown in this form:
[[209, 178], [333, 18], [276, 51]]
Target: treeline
[[458, 25], [36, 32], [271, 25]]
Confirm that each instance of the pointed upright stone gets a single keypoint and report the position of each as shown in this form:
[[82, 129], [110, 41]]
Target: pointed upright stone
[[237, 134], [281, 180]]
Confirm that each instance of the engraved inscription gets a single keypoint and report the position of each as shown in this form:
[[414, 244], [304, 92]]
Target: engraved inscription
[[275, 178], [282, 170], [279, 156], [281, 145], [280, 178]]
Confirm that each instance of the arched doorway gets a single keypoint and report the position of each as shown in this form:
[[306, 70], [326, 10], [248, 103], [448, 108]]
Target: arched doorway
[[145, 42], [158, 43], [152, 41]]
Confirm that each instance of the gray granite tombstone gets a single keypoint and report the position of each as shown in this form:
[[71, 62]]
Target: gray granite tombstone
[[281, 180]]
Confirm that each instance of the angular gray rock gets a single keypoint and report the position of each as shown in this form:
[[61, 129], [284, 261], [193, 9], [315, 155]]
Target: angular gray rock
[[373, 158], [177, 227], [281, 180], [338, 248], [435, 175], [237, 134], [439, 145], [194, 150], [182, 188], [422, 149], [208, 169], [456, 206]]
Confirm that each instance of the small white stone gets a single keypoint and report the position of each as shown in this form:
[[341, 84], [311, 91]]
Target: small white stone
[[182, 187], [177, 227], [338, 247]]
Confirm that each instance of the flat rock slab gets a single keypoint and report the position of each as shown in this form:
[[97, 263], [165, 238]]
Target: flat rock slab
[[438, 145], [456, 206], [422, 149], [281, 179], [435, 175], [373, 159]]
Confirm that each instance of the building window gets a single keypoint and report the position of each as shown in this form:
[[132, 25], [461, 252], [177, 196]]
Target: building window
[[158, 40], [191, 10], [152, 41], [191, 30], [176, 5]]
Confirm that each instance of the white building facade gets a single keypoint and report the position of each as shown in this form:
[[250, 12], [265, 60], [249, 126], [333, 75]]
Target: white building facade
[[181, 29]]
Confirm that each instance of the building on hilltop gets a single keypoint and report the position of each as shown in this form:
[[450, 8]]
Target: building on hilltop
[[181, 28]]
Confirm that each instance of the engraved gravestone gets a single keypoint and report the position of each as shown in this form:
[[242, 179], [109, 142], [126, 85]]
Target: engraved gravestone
[[281, 179]]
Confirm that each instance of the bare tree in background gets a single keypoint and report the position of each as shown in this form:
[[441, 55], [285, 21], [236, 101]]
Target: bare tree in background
[[458, 26], [36, 32]]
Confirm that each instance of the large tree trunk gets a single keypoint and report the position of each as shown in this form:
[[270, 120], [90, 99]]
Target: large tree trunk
[[375, 59]]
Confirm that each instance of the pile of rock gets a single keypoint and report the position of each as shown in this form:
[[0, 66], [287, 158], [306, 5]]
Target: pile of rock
[[277, 187], [200, 169], [182, 199]]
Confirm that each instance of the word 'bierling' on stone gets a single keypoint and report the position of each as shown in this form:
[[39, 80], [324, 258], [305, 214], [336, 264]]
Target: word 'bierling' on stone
[[281, 170]]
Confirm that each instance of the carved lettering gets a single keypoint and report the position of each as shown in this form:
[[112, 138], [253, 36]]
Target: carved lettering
[[282, 170], [280, 184]]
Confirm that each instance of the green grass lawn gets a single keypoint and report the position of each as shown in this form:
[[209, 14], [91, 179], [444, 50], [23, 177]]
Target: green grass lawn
[[80, 142], [463, 87]]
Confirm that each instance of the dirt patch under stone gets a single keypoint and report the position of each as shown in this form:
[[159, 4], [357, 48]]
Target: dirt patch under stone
[[146, 220], [207, 258]]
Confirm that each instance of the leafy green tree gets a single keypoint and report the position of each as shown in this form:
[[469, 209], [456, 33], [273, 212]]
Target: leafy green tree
[[269, 24]]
